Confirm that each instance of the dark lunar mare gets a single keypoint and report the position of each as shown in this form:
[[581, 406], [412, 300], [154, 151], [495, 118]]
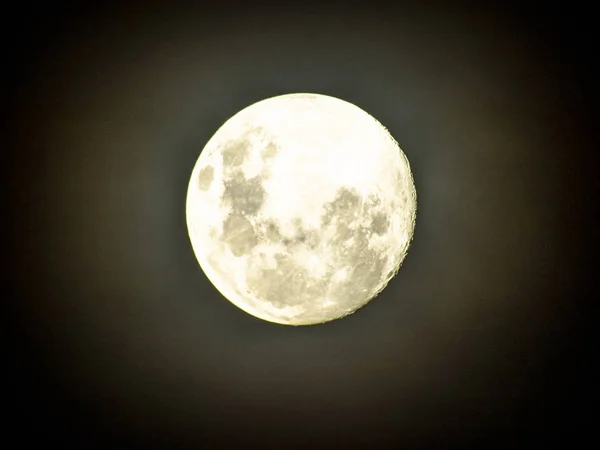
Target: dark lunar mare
[[234, 152], [239, 234], [205, 177], [244, 196]]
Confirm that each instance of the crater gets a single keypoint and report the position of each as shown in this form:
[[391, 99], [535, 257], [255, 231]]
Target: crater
[[205, 177], [244, 196], [238, 234]]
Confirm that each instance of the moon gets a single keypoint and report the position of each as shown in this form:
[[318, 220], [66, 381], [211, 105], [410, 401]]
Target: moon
[[301, 208]]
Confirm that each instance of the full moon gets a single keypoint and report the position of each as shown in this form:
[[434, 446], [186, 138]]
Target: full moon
[[301, 208]]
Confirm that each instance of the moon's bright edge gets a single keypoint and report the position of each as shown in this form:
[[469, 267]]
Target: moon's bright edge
[[301, 208]]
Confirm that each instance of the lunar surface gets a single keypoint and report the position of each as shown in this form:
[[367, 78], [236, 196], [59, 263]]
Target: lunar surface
[[301, 208]]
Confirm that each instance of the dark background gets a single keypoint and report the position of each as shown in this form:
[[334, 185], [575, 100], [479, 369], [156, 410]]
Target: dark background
[[115, 337]]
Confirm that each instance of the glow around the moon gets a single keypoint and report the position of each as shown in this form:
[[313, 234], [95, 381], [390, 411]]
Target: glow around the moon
[[301, 208]]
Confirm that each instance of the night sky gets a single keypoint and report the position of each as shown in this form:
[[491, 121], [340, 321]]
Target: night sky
[[116, 338]]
